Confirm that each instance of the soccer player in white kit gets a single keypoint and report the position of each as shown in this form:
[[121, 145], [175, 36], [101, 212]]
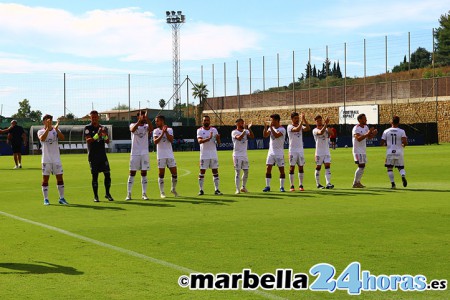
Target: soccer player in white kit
[[163, 139], [395, 139], [322, 155], [51, 159], [296, 153], [208, 137], [360, 134], [139, 156], [275, 155], [240, 137]]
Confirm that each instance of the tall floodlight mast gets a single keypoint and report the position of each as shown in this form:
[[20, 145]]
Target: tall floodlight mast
[[176, 19]]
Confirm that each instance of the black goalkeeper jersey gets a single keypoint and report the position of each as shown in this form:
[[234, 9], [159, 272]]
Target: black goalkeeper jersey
[[96, 149]]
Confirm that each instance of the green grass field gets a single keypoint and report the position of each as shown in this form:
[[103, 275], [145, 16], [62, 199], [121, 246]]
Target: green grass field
[[139, 249]]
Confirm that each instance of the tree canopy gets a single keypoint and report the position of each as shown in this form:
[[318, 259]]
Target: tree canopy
[[442, 37], [25, 111]]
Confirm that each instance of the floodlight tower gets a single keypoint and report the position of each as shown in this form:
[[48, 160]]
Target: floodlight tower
[[176, 19]]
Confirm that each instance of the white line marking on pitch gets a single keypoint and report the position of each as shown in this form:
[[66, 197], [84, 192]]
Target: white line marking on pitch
[[126, 251]]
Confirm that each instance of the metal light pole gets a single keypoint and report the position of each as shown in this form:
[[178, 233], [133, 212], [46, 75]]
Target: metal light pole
[[176, 19]]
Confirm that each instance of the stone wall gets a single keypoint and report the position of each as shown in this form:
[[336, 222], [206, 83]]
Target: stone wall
[[410, 111]]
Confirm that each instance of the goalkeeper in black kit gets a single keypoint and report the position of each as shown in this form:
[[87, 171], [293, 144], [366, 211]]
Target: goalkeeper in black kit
[[96, 138]]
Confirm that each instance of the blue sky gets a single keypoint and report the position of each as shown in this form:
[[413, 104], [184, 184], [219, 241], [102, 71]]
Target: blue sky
[[44, 39]]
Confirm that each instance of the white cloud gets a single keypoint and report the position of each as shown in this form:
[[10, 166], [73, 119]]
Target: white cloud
[[18, 65], [128, 34], [379, 14]]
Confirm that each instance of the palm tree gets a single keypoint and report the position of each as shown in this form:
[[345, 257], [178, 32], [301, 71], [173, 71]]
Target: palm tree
[[200, 91], [162, 103]]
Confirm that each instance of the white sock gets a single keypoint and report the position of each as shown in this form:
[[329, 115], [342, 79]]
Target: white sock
[[244, 178], [45, 191], [291, 179], [300, 177], [130, 184], [328, 175], [174, 182], [60, 190], [237, 179], [144, 184], [216, 181], [317, 174], [268, 181], [282, 182], [161, 185], [358, 175], [391, 175], [201, 181], [402, 172]]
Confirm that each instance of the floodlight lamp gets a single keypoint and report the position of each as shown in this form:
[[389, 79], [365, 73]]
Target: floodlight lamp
[[173, 13], [179, 12], [167, 13]]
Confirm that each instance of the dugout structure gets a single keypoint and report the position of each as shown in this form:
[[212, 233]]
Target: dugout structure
[[74, 141]]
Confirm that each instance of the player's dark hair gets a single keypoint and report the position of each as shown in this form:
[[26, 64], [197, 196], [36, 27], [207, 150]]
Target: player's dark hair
[[294, 114], [206, 116], [239, 120], [396, 120], [143, 112], [161, 117], [317, 117], [47, 116], [360, 116], [93, 112], [276, 117]]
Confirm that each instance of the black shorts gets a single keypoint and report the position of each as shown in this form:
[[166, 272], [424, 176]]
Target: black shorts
[[333, 140], [99, 166], [16, 147]]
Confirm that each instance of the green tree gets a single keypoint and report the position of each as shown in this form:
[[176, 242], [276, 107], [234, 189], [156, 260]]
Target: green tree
[[70, 116], [25, 111], [442, 44], [200, 91], [162, 103], [120, 107], [420, 58]]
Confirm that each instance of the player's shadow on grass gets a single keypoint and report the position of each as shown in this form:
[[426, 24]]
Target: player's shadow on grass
[[146, 203], [199, 200], [20, 170], [39, 268], [407, 189], [96, 207]]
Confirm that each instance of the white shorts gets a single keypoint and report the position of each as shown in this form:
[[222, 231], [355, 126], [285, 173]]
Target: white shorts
[[209, 164], [139, 162], [49, 169], [275, 160], [360, 158], [323, 159], [296, 158], [394, 160], [240, 162], [166, 162]]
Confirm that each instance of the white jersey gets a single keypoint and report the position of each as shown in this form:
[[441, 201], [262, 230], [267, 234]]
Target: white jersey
[[393, 137], [276, 145], [50, 148], [359, 147], [240, 147], [164, 147], [139, 140], [295, 139], [208, 150], [322, 146]]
